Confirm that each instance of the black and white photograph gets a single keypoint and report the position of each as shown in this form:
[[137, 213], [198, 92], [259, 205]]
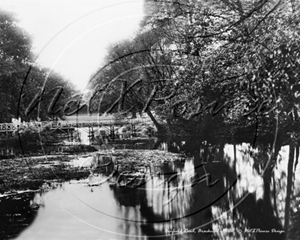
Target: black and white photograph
[[149, 119]]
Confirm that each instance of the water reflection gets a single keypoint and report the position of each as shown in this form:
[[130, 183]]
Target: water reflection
[[19, 210], [16, 214], [178, 200]]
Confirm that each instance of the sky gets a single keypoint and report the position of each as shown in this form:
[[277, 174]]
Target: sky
[[71, 36]]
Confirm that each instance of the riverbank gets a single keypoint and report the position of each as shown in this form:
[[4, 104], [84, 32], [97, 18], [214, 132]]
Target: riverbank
[[30, 173]]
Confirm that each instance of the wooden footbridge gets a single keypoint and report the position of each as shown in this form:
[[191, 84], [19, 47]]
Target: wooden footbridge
[[106, 127], [76, 122]]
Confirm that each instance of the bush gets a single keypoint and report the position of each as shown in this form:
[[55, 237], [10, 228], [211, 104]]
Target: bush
[[27, 140]]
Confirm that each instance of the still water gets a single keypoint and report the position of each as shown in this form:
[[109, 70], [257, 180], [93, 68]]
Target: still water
[[178, 200]]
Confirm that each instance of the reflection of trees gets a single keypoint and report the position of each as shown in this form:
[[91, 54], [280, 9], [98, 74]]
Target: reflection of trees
[[170, 202], [16, 213], [295, 216], [259, 215], [129, 200], [256, 210]]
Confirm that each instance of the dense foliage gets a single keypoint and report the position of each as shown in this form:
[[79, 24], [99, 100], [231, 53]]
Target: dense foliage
[[24, 83], [213, 72], [228, 66]]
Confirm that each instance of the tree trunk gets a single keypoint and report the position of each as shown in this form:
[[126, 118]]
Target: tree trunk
[[234, 161], [160, 128], [267, 187], [134, 115], [297, 157], [221, 152], [289, 190]]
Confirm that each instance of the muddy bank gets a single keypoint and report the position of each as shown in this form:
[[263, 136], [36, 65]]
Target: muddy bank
[[32, 172]]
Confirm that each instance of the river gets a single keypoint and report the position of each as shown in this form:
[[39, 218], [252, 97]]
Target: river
[[178, 200]]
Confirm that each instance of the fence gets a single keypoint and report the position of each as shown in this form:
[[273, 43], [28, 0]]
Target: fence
[[10, 127]]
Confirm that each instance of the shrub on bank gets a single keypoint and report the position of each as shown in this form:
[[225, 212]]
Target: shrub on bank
[[27, 140]]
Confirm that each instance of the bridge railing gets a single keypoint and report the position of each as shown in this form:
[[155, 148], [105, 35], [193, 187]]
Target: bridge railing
[[10, 127]]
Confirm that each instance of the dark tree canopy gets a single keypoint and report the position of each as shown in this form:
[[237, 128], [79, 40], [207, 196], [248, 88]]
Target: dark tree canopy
[[227, 66], [21, 78]]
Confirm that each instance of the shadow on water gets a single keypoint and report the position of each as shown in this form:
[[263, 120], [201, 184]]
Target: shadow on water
[[16, 213], [196, 198], [192, 200], [19, 210]]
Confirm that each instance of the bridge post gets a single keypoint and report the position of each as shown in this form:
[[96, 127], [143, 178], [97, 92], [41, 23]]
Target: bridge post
[[91, 135], [132, 130], [112, 132]]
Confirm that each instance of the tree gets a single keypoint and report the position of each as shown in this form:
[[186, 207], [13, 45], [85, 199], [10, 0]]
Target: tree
[[22, 81], [233, 70], [219, 58], [15, 58], [251, 51], [133, 78], [45, 95]]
